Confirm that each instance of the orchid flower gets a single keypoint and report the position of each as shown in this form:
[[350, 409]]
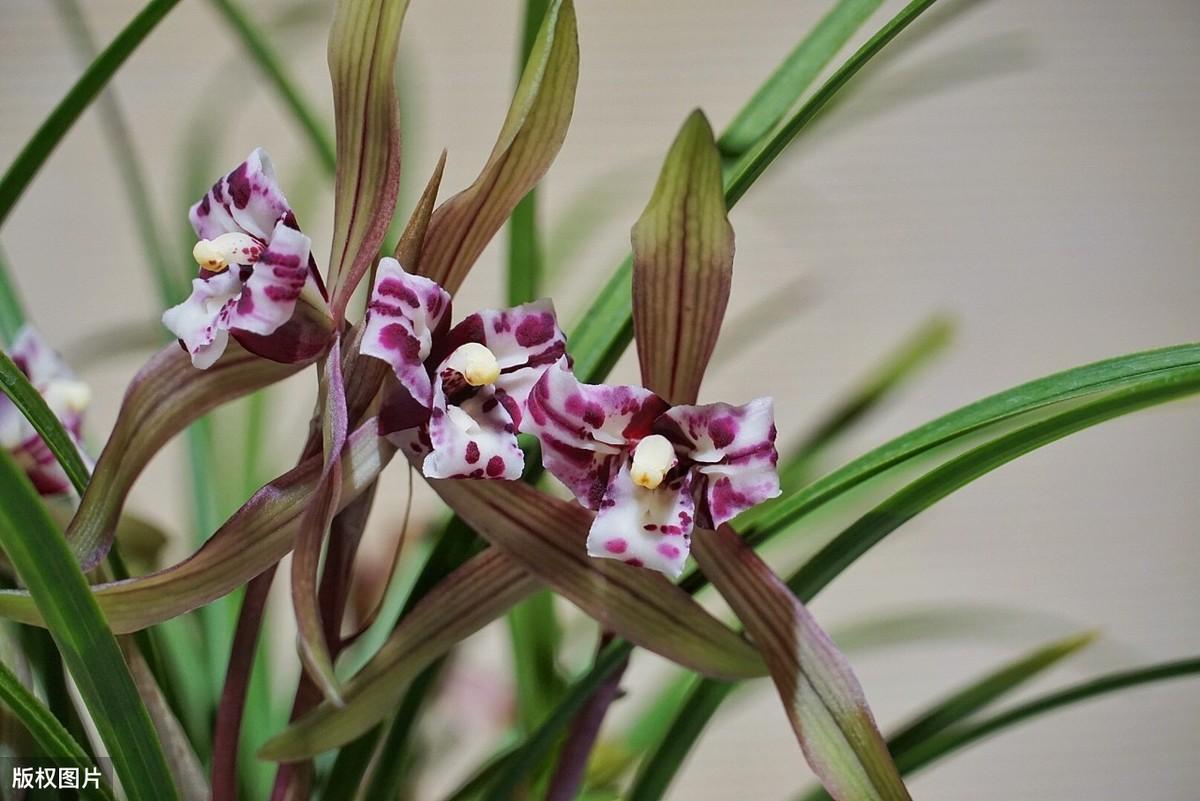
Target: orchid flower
[[67, 398], [651, 471], [255, 267], [460, 393]]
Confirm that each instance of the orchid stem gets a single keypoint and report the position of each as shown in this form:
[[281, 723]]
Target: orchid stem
[[237, 679], [585, 728]]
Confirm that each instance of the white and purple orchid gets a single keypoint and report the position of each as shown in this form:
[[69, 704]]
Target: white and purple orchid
[[651, 471], [67, 398], [460, 394], [254, 265]]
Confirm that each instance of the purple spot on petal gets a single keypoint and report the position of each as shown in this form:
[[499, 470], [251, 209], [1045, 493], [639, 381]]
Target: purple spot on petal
[[668, 550], [535, 330], [616, 545], [472, 452], [722, 430], [495, 467], [635, 562]]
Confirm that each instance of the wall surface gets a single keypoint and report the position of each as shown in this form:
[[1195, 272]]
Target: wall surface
[[1028, 168]]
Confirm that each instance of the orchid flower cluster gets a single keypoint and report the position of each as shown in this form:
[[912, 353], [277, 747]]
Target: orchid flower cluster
[[461, 393]]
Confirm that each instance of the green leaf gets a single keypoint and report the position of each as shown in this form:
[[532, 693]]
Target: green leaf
[[475, 594], [958, 738], [362, 64], [901, 507], [975, 696], [607, 327], [50, 735], [46, 566], [529, 140], [33, 407], [546, 536], [821, 696], [682, 266], [39, 147], [979, 694], [164, 397], [255, 42], [255, 538], [1030, 397], [747, 170], [797, 72]]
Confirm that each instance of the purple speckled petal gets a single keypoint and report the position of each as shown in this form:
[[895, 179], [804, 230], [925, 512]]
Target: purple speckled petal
[[585, 429], [644, 527], [246, 200], [733, 448], [403, 314], [202, 321], [473, 439], [268, 297], [65, 395]]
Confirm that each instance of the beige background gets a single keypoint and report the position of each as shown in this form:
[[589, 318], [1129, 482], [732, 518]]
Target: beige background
[[1028, 167]]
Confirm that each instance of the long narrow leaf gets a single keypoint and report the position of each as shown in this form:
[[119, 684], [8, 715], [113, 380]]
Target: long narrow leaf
[[362, 63], [962, 704], [1044, 392], [797, 72], [682, 266], [46, 566], [50, 735], [959, 738], [86, 89], [12, 315], [529, 140], [958, 472]]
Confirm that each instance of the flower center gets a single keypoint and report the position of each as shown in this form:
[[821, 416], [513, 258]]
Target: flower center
[[475, 363], [652, 458], [215, 255]]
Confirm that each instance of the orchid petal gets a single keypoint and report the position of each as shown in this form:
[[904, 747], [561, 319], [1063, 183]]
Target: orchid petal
[[644, 527], [202, 321], [475, 438], [403, 314], [733, 448], [247, 200], [268, 297], [585, 428]]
